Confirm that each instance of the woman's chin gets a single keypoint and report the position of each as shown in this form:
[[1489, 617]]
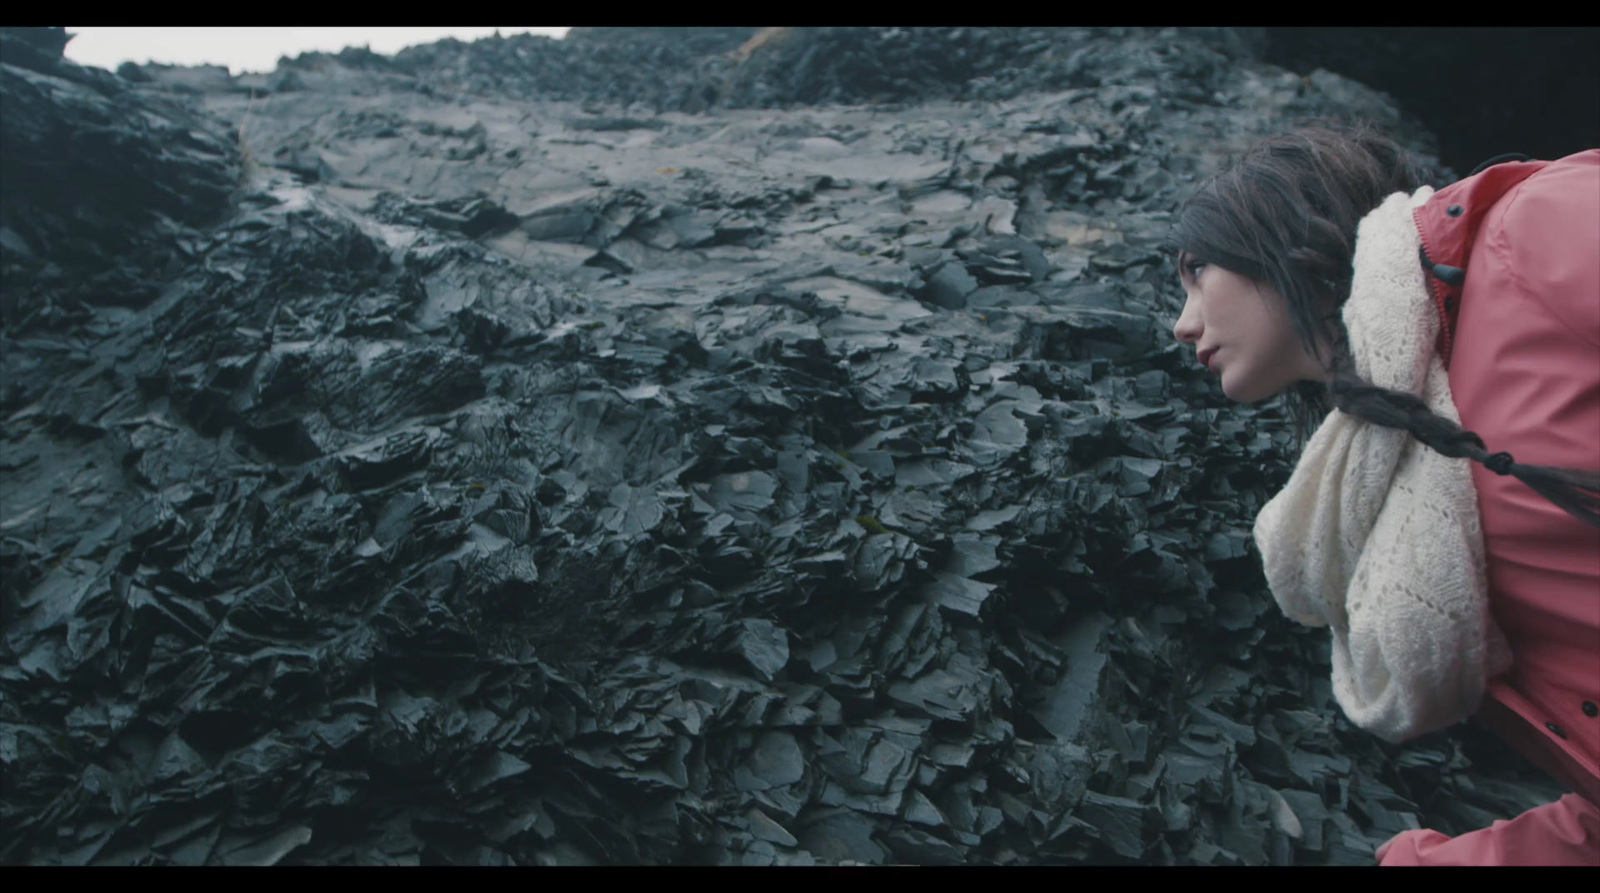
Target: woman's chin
[[1242, 391], [1250, 397], [1230, 389]]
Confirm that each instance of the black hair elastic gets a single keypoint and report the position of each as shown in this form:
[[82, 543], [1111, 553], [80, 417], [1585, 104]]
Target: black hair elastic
[[1499, 463]]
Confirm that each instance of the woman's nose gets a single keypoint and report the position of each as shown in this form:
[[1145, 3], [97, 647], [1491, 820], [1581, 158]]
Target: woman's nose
[[1188, 327]]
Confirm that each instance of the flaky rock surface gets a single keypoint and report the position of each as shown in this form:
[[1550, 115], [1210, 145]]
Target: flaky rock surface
[[625, 451]]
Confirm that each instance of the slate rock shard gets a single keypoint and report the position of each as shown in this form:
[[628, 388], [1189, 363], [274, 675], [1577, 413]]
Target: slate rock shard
[[531, 452]]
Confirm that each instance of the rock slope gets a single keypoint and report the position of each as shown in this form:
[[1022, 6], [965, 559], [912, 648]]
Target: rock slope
[[461, 458]]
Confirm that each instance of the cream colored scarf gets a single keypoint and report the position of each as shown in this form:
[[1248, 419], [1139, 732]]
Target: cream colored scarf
[[1376, 535]]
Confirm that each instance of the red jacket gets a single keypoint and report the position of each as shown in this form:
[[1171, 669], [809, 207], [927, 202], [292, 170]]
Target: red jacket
[[1522, 346]]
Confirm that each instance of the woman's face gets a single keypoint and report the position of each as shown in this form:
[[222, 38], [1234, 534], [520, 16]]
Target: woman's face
[[1241, 331]]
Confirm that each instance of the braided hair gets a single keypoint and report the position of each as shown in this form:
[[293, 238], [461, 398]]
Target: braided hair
[[1285, 213]]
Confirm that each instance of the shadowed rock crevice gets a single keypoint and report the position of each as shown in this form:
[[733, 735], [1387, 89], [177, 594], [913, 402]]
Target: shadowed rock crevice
[[1484, 91]]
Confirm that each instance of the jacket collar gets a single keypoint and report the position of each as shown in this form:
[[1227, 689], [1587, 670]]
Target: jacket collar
[[1448, 224]]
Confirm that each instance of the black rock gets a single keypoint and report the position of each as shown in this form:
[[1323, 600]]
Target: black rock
[[534, 452]]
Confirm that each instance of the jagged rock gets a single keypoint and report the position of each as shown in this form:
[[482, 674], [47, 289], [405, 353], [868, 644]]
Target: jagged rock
[[539, 453]]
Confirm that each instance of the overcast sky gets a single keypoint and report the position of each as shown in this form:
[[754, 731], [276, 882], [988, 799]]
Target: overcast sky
[[251, 49]]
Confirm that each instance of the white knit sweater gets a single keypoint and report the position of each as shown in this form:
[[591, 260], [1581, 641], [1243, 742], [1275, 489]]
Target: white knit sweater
[[1376, 535]]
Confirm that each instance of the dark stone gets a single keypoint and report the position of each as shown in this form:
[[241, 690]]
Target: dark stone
[[401, 468], [1486, 93]]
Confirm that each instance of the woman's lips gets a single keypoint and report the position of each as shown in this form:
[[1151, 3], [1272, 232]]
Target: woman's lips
[[1205, 356]]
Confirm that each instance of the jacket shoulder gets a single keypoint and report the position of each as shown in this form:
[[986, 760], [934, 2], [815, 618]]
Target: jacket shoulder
[[1545, 234]]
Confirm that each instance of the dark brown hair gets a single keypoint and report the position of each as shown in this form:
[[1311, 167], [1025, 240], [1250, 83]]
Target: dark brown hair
[[1285, 213]]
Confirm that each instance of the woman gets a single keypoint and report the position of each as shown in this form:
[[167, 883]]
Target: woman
[[1442, 519]]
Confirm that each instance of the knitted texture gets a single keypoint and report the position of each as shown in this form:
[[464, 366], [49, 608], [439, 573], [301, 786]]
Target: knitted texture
[[1376, 535]]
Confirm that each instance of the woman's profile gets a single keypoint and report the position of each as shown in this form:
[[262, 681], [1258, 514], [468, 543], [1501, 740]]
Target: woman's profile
[[1443, 350]]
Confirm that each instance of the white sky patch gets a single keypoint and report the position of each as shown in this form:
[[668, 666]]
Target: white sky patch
[[252, 49]]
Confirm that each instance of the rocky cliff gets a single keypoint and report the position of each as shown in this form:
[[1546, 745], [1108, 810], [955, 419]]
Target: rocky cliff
[[658, 446]]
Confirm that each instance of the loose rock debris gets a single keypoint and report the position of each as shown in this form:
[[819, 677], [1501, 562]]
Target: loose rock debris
[[396, 473]]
